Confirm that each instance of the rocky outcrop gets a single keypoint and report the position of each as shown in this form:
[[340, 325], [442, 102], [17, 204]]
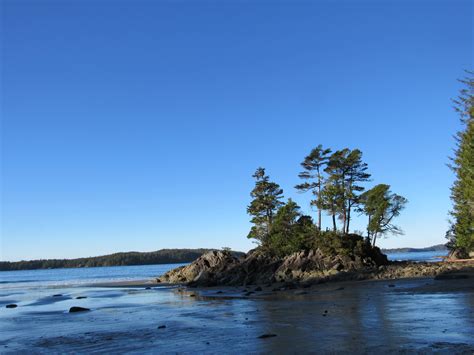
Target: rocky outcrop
[[258, 267], [205, 270]]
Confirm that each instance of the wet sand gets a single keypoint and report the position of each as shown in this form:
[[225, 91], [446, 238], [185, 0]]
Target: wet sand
[[413, 315]]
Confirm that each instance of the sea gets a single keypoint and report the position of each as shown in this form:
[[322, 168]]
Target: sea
[[91, 275], [363, 317]]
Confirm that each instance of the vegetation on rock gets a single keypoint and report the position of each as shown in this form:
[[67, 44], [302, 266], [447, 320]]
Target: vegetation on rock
[[336, 182]]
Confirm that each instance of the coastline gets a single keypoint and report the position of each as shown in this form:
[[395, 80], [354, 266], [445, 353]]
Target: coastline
[[421, 314], [452, 269]]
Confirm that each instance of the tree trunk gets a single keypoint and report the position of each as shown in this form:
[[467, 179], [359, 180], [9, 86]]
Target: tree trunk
[[334, 227], [319, 219], [348, 219], [319, 197], [368, 230], [375, 237]]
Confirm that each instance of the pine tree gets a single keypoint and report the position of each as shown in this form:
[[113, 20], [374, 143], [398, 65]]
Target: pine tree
[[314, 165], [346, 171], [381, 206], [266, 201], [462, 191]]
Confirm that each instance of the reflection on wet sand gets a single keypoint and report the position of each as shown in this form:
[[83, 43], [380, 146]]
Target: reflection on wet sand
[[412, 315]]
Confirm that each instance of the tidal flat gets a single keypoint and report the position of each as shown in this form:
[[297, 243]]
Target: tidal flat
[[412, 315]]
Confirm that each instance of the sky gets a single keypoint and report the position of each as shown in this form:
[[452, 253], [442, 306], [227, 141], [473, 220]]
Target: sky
[[137, 125]]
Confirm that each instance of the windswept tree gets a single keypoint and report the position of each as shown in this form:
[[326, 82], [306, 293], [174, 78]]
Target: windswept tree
[[356, 174], [381, 206], [346, 172], [314, 165], [266, 197], [462, 164]]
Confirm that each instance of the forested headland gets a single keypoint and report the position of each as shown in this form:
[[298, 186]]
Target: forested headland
[[163, 256]]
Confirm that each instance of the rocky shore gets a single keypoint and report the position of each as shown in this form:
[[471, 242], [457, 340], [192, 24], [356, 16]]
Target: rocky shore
[[221, 268]]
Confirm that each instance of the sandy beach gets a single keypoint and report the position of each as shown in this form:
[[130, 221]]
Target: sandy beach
[[410, 315]]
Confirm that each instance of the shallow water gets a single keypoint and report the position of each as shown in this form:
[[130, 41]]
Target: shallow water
[[376, 316], [362, 316]]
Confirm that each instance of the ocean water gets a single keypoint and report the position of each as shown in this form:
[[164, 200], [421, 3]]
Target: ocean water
[[83, 276], [429, 256], [80, 276]]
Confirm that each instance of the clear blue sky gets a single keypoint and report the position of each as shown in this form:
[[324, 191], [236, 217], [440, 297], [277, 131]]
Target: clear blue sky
[[136, 125]]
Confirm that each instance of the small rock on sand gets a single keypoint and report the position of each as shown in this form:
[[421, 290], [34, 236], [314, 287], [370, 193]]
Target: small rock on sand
[[58, 295], [80, 297], [162, 327], [11, 305], [78, 309], [264, 336]]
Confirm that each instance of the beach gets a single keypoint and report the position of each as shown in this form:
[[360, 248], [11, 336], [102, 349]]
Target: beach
[[138, 316]]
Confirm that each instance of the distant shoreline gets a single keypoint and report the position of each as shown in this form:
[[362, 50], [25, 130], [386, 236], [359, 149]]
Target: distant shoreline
[[438, 247], [162, 256]]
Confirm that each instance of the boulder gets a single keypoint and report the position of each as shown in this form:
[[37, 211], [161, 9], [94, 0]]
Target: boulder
[[203, 271]]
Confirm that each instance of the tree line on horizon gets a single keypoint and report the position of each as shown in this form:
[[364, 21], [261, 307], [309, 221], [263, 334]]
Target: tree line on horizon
[[163, 256], [335, 181]]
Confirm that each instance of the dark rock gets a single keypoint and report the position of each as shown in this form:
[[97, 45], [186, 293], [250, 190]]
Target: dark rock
[[192, 295], [391, 285], [80, 297], [264, 336], [12, 305], [162, 327], [219, 292], [260, 268], [58, 295], [78, 309], [339, 289], [147, 288]]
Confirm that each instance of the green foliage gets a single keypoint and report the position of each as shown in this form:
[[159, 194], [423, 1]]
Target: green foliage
[[266, 197], [291, 230], [461, 232], [338, 243], [346, 171], [381, 206]]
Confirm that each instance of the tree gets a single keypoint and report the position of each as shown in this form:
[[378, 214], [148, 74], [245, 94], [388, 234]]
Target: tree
[[266, 201], [462, 164], [356, 174], [346, 171], [291, 230], [381, 206], [313, 166], [332, 197]]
